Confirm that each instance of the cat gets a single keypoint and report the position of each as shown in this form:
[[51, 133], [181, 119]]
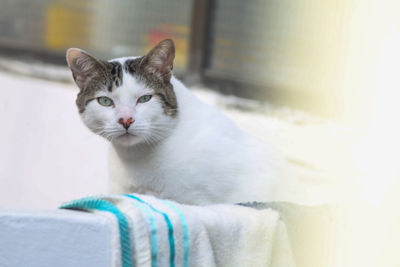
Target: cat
[[165, 141]]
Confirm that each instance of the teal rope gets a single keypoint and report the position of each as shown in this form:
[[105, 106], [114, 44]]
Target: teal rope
[[104, 205], [169, 225], [185, 231], [153, 231]]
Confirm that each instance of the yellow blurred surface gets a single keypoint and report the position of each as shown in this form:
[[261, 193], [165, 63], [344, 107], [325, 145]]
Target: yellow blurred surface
[[66, 25]]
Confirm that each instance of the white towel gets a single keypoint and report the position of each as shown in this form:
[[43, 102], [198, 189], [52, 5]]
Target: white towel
[[163, 233]]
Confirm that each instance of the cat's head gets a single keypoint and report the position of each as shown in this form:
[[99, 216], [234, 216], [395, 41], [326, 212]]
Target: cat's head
[[126, 100]]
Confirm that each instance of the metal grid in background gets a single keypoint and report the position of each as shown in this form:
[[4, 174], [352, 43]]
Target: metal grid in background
[[284, 44], [106, 28]]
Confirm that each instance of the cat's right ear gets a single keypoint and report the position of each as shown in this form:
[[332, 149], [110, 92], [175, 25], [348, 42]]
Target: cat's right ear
[[83, 66]]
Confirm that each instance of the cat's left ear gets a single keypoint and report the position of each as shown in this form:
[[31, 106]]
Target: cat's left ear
[[160, 59]]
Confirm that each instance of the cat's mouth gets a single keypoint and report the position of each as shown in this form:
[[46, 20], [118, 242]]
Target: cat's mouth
[[127, 134], [127, 139]]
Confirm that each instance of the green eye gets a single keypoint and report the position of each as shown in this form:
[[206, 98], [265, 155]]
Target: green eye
[[144, 98], [105, 101]]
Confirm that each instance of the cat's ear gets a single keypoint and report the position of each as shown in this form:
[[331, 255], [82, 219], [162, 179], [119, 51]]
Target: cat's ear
[[160, 59], [83, 66]]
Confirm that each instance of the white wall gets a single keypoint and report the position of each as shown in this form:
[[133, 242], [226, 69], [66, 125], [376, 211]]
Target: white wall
[[47, 156], [58, 238]]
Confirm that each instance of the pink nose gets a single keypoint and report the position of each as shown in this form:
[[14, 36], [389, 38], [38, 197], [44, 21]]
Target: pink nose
[[126, 122]]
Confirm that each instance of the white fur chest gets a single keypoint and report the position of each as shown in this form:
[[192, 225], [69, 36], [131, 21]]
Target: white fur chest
[[186, 176]]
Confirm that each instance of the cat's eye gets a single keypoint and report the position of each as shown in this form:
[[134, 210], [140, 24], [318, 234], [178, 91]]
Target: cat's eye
[[105, 101], [144, 98]]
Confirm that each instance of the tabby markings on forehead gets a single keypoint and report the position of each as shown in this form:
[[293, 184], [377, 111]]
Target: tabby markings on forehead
[[115, 74], [131, 65]]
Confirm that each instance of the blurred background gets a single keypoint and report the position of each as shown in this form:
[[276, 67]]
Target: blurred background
[[318, 79]]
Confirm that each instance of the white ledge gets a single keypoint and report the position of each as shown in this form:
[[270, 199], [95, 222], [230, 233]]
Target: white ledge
[[59, 238], [65, 238]]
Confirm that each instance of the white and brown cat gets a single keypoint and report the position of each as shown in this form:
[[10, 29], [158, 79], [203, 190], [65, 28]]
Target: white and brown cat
[[165, 141]]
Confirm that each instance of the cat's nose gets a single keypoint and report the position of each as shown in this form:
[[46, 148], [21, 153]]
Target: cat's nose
[[126, 122]]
